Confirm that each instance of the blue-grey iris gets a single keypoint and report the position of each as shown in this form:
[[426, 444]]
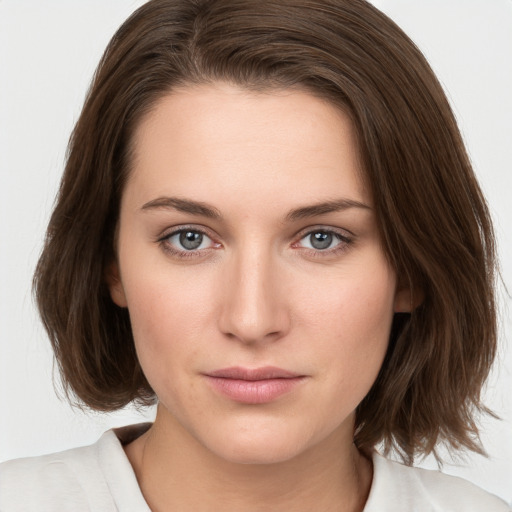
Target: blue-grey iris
[[191, 240], [321, 240]]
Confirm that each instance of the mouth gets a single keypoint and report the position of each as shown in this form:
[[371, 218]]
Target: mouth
[[253, 386]]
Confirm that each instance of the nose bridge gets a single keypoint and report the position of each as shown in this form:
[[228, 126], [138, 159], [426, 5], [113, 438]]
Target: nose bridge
[[253, 307]]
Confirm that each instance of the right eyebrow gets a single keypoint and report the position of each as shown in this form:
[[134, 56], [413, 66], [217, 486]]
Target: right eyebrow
[[183, 205]]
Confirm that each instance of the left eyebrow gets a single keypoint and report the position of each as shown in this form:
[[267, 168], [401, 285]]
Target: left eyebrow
[[323, 208]]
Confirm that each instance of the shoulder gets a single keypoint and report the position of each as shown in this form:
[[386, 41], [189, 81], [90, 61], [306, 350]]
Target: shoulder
[[80, 479], [401, 488], [60, 481]]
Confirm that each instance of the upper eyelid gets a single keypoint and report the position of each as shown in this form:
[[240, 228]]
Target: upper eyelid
[[170, 231], [343, 232]]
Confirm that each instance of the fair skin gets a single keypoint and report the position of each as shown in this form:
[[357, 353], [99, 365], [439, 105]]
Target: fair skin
[[247, 240]]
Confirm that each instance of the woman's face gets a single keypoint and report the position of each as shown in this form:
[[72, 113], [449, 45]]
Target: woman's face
[[250, 262]]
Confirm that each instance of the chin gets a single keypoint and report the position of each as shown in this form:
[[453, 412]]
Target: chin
[[259, 445], [259, 453]]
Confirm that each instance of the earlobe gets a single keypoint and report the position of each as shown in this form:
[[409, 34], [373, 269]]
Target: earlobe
[[115, 286], [407, 300]]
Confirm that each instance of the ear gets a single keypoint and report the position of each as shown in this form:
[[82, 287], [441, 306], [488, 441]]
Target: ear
[[407, 300], [115, 285]]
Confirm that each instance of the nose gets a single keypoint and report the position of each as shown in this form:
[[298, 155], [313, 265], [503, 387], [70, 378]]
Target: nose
[[254, 305]]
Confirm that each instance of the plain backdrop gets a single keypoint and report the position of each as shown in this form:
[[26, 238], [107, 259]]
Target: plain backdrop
[[48, 52]]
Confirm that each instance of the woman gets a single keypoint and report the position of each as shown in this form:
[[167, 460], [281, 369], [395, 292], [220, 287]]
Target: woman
[[269, 224]]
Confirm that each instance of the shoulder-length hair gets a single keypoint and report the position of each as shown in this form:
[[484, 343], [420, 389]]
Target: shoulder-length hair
[[432, 217]]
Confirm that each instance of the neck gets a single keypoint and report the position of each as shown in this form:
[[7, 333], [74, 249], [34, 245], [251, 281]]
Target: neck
[[176, 472]]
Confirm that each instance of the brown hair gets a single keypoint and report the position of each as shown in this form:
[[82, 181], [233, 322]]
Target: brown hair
[[432, 217]]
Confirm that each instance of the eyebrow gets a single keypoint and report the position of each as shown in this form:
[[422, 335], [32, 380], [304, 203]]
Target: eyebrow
[[314, 210], [183, 205], [205, 210]]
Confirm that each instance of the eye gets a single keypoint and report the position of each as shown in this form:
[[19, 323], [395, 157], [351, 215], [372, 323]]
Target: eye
[[323, 240], [187, 240], [320, 240]]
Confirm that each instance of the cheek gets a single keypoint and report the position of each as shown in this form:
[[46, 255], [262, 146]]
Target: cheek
[[173, 313], [350, 322], [359, 300], [166, 314]]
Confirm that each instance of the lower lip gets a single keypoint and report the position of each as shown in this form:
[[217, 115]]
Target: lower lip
[[254, 391]]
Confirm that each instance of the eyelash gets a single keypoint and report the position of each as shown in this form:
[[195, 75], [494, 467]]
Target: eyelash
[[343, 244], [164, 242], [344, 241]]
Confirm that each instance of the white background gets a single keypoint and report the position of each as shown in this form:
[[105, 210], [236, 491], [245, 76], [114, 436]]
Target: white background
[[48, 52]]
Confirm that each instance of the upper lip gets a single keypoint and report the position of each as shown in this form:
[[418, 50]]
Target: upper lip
[[263, 373]]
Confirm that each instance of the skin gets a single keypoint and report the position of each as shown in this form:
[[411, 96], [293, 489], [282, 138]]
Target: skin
[[257, 292]]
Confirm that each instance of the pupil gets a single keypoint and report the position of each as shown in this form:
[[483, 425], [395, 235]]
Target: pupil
[[190, 240], [321, 240]]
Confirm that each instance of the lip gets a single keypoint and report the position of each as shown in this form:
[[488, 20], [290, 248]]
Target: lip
[[253, 385]]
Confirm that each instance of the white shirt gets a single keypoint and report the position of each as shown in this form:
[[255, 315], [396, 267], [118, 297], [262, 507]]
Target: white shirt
[[99, 478]]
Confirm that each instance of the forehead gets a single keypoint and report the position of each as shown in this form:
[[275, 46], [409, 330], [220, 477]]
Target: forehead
[[226, 140]]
